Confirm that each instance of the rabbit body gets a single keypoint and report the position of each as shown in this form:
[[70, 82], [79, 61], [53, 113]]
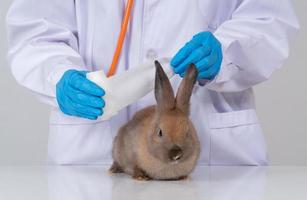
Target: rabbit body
[[159, 142]]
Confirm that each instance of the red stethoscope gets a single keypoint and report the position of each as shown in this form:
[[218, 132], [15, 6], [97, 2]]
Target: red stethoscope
[[121, 38]]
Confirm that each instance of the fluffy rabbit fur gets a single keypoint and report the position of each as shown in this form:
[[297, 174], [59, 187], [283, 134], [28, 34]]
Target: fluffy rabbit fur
[[160, 142]]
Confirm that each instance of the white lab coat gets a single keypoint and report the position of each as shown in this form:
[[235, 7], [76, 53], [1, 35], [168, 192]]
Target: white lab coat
[[48, 37]]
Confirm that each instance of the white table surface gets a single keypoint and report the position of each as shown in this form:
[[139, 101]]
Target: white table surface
[[94, 183]]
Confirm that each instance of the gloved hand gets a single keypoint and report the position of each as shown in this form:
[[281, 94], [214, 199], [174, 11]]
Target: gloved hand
[[205, 51], [77, 96]]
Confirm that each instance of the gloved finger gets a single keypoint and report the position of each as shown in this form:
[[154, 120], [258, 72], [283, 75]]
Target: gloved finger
[[209, 73], [184, 52], [208, 61], [81, 83], [87, 110], [74, 113], [81, 109], [194, 57], [85, 99]]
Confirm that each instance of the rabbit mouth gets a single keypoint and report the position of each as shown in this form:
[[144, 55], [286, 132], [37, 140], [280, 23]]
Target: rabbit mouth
[[174, 162]]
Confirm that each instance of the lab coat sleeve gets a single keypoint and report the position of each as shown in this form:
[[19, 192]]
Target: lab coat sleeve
[[43, 44], [255, 42]]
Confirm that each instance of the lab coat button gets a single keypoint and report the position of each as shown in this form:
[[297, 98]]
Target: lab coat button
[[151, 54]]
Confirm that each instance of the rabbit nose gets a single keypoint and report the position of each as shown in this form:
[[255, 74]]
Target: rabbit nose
[[175, 153]]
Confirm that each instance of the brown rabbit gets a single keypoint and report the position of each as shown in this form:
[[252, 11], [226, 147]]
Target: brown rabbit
[[160, 142]]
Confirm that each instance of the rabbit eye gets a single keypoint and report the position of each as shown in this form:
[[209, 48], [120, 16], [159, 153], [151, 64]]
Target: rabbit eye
[[160, 133]]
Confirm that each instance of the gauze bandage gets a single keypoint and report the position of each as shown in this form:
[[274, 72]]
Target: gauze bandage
[[125, 88]]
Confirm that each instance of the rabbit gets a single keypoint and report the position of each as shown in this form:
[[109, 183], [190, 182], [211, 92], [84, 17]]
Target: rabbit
[[160, 142]]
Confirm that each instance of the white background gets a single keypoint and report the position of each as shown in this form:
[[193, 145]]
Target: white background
[[281, 105]]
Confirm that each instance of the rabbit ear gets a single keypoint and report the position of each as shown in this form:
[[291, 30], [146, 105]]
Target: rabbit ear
[[185, 89], [163, 90]]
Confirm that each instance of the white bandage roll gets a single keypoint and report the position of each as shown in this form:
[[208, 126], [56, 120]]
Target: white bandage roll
[[129, 86]]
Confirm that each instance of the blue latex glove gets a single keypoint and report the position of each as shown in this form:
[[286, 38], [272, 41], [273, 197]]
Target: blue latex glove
[[77, 96], [205, 51]]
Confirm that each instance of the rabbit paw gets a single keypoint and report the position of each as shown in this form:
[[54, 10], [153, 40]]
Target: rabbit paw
[[183, 178], [140, 175], [115, 168]]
